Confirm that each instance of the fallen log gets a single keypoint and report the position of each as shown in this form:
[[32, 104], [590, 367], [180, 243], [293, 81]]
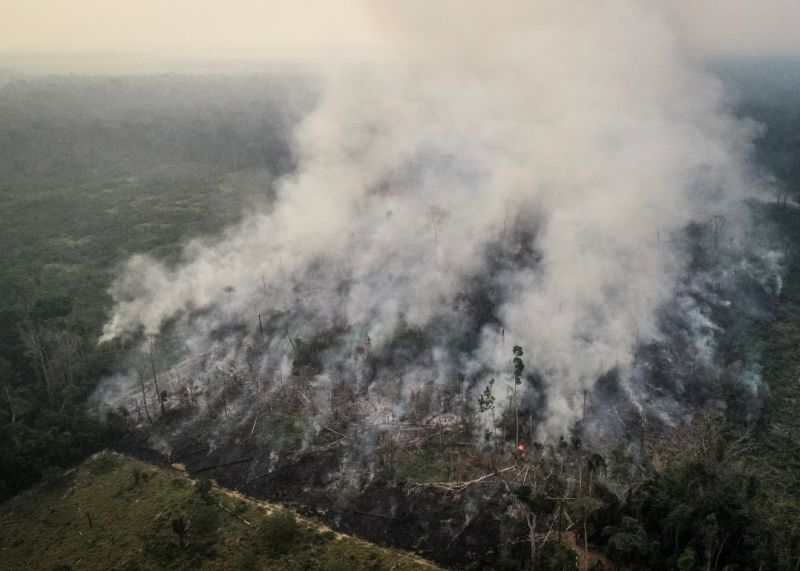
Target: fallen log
[[225, 465], [367, 514], [459, 487], [237, 516]]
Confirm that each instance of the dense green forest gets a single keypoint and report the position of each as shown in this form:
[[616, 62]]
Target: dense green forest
[[94, 170], [97, 169]]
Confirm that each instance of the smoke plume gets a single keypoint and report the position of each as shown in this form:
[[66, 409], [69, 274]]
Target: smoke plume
[[522, 174]]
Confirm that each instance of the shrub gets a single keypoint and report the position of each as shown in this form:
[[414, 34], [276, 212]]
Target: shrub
[[204, 488], [178, 483], [180, 529], [205, 520], [558, 556], [687, 560], [280, 533], [247, 560], [102, 464]]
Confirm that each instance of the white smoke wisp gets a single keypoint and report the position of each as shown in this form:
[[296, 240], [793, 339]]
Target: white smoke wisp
[[580, 125]]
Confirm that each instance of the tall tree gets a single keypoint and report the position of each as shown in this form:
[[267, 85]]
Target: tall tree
[[144, 394], [519, 366], [486, 402]]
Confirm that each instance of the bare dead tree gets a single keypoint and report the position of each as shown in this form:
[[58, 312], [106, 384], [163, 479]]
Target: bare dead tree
[[530, 519], [36, 350], [229, 290], [155, 378], [11, 407], [144, 394]]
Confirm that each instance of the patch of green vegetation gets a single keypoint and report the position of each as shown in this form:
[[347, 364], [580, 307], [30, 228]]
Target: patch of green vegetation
[[422, 467], [115, 512], [776, 458], [559, 556], [102, 464], [280, 433], [281, 534], [437, 460]]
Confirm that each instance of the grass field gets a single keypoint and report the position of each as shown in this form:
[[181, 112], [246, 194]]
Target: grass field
[[116, 512]]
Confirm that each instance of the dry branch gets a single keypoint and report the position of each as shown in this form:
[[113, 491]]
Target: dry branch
[[237, 516], [224, 465], [459, 487]]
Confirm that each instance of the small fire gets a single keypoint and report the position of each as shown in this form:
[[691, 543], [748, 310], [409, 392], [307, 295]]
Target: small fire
[[521, 449]]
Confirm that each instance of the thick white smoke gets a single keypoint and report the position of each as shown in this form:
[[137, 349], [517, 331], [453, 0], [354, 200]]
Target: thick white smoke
[[580, 125]]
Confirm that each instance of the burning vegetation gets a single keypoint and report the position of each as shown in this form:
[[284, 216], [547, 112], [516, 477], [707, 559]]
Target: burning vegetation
[[455, 464]]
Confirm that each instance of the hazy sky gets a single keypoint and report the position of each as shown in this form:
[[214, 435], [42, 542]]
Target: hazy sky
[[742, 27], [169, 30], [203, 27]]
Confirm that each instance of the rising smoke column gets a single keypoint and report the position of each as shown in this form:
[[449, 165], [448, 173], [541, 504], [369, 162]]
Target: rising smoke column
[[582, 126]]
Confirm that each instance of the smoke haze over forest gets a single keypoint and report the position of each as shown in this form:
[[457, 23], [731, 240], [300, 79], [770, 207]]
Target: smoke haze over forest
[[558, 190]]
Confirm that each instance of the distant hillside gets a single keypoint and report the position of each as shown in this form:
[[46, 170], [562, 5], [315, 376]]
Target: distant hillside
[[115, 512]]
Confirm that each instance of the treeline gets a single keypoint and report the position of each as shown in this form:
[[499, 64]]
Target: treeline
[[54, 124], [49, 365], [96, 169]]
